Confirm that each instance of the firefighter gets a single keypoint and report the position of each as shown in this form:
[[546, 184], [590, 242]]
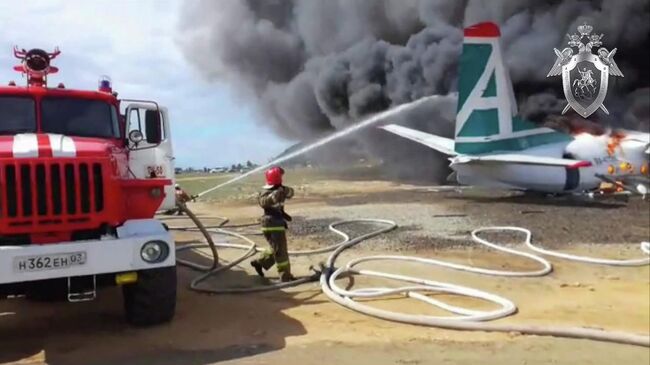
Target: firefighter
[[274, 225], [181, 198]]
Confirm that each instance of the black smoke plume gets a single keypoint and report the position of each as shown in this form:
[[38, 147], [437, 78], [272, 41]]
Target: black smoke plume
[[317, 66]]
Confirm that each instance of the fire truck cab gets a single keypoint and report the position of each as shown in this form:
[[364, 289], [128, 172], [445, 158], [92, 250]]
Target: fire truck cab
[[82, 174]]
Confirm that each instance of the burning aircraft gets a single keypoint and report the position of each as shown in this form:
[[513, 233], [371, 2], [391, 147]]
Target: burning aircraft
[[496, 148]]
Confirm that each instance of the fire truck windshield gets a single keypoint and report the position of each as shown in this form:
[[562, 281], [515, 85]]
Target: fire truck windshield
[[79, 117], [17, 115]]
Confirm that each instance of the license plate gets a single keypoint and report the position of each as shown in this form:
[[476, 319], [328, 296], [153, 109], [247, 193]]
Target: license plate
[[48, 262]]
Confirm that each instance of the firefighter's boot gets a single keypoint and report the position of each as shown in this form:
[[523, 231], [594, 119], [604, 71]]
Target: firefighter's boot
[[286, 277], [284, 269], [258, 268]]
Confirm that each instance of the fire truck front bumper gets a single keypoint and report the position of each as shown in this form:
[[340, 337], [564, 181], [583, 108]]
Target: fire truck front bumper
[[140, 244]]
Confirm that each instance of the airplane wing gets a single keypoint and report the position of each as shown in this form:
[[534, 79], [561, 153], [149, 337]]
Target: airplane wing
[[521, 159], [440, 144]]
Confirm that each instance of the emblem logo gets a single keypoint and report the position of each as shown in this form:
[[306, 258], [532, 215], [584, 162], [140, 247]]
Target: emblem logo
[[585, 74]]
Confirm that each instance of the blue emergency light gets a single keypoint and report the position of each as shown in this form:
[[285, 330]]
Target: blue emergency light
[[105, 84]]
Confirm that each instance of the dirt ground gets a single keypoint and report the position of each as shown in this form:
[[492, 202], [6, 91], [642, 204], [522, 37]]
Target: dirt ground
[[301, 326]]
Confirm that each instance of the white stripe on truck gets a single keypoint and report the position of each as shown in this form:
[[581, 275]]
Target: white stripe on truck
[[62, 146], [25, 145]]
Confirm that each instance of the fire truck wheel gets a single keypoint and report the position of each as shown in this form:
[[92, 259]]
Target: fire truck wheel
[[152, 299]]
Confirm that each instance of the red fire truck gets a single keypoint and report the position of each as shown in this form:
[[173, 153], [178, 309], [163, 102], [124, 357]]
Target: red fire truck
[[82, 174]]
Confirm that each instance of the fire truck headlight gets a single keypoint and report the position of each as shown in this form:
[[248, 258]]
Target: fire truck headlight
[[136, 136], [154, 251]]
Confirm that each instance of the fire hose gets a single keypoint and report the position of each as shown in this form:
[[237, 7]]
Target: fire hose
[[464, 319]]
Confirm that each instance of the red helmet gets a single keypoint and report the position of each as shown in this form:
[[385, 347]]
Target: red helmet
[[274, 176]]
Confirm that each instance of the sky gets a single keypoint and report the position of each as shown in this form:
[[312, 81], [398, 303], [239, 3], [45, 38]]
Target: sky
[[135, 43]]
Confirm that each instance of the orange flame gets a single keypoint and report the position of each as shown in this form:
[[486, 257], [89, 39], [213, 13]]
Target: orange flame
[[615, 139]]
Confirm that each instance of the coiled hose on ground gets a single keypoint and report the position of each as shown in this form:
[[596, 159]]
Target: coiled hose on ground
[[463, 319]]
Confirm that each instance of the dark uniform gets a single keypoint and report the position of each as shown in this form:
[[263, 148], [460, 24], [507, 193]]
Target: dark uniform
[[274, 225]]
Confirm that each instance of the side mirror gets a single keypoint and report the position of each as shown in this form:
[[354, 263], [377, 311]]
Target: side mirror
[[152, 126]]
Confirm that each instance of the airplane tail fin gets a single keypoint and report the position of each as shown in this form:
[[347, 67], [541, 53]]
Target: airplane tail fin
[[486, 118]]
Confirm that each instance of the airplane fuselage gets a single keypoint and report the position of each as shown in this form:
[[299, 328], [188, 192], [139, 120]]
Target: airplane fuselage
[[626, 156]]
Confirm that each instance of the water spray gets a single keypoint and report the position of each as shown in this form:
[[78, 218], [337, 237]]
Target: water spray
[[334, 136]]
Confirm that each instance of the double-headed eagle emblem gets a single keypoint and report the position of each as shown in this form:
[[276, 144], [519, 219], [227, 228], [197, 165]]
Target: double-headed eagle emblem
[[585, 74]]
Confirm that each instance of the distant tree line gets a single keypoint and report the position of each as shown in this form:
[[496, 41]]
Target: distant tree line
[[219, 169]]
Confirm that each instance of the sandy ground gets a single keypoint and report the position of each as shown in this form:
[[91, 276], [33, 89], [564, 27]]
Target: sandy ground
[[300, 326]]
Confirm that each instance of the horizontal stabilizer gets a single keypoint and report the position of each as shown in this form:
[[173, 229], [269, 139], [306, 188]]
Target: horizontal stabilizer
[[440, 144], [521, 159]]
